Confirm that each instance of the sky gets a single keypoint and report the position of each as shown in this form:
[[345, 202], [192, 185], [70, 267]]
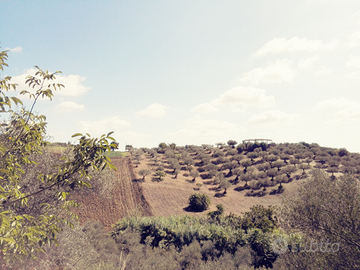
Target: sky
[[192, 72]]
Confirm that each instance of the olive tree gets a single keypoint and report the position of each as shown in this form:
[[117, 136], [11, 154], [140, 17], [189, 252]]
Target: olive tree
[[246, 163], [225, 184], [304, 166], [144, 172], [230, 166], [232, 143], [246, 177], [194, 174], [288, 170]]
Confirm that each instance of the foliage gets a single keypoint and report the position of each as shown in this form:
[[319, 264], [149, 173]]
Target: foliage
[[159, 176], [325, 210], [343, 152], [23, 231], [144, 172], [82, 247], [199, 202], [225, 184], [212, 236], [114, 145], [129, 147], [218, 213], [261, 218], [194, 174], [232, 143]]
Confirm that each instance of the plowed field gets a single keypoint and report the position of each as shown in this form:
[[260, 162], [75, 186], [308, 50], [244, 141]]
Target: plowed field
[[165, 198], [126, 197]]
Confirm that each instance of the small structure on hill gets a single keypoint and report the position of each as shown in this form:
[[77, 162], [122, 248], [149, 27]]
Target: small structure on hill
[[257, 141]]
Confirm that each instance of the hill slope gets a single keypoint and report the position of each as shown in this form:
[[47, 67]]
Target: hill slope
[[126, 197]]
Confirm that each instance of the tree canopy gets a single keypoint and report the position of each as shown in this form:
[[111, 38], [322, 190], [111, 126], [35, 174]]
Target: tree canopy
[[23, 230]]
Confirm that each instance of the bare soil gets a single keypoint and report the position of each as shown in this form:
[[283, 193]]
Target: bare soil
[[170, 196], [127, 198]]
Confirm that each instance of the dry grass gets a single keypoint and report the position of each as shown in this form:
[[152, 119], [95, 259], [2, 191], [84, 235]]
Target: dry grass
[[170, 197]]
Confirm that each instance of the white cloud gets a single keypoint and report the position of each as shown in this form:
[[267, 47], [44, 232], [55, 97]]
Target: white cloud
[[103, 126], [69, 106], [353, 39], [73, 83], [341, 109], [154, 110], [352, 112], [275, 72], [336, 103], [278, 45], [356, 17], [273, 117], [324, 70], [244, 97], [205, 108], [353, 62], [353, 75], [16, 49], [202, 130], [307, 62], [237, 99]]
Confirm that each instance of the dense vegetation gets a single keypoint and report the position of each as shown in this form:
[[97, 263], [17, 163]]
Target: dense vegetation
[[318, 229], [35, 187]]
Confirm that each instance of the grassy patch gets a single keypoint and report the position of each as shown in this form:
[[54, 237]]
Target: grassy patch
[[116, 154]]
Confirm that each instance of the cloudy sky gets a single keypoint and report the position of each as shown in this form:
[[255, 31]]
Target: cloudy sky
[[192, 72]]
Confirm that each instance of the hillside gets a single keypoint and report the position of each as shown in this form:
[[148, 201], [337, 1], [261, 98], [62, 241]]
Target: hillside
[[258, 175], [124, 197], [253, 174]]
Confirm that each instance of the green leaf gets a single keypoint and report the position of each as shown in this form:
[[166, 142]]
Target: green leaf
[[16, 100], [76, 135]]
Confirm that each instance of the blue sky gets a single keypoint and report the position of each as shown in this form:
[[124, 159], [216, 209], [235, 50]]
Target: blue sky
[[193, 72]]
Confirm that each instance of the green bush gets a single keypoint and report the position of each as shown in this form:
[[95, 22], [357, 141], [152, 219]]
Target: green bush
[[199, 202], [214, 241]]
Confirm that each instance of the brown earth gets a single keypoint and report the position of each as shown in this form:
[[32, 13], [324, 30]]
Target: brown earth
[[126, 198], [170, 196]]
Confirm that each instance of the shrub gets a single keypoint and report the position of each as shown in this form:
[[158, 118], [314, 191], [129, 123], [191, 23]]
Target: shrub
[[324, 210], [158, 176], [343, 152], [199, 202]]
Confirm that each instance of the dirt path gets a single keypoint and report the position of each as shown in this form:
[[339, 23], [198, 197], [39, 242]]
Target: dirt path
[[127, 197]]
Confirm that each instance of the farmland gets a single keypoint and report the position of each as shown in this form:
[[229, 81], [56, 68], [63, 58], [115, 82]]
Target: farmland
[[123, 198], [169, 196], [143, 207]]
